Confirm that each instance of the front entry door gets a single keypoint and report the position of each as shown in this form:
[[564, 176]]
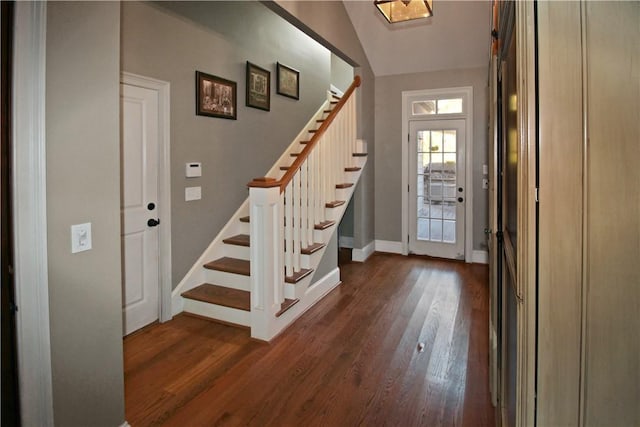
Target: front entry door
[[139, 159], [436, 188]]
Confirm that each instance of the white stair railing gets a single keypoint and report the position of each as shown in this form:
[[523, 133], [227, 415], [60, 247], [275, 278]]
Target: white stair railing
[[284, 213]]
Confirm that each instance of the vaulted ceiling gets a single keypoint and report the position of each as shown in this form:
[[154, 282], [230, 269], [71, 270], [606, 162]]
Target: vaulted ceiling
[[458, 35]]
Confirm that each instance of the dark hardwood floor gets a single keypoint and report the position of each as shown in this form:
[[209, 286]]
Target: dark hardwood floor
[[351, 360]]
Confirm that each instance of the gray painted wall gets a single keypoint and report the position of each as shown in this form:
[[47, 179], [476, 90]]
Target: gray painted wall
[[388, 129], [83, 185], [341, 73], [328, 21], [170, 41]]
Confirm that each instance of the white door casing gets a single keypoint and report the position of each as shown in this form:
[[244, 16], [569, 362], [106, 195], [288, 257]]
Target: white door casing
[[139, 167], [437, 188]]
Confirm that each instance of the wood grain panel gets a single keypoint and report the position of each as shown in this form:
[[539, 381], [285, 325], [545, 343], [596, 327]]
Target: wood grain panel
[[612, 351], [352, 359], [560, 212]]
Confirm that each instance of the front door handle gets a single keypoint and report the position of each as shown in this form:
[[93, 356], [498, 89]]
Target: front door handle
[[153, 222]]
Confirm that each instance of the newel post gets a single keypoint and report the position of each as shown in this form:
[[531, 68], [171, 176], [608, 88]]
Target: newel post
[[267, 274]]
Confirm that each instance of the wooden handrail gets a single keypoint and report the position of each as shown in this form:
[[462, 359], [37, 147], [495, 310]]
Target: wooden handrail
[[288, 176]]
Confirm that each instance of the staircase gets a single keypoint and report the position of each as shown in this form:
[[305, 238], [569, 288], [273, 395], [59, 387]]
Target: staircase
[[259, 271]]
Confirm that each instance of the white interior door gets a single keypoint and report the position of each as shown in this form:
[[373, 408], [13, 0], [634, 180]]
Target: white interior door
[[139, 168], [436, 188]]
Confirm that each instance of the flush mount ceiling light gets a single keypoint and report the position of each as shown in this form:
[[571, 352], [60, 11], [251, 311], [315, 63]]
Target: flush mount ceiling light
[[404, 10]]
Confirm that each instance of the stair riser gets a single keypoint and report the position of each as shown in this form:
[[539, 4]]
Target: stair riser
[[244, 228], [218, 312], [230, 280], [323, 236], [311, 261], [235, 251], [297, 290]]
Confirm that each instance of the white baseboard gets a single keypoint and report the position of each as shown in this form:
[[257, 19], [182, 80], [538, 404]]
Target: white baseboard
[[361, 255], [345, 242], [480, 257], [125, 424], [389, 246]]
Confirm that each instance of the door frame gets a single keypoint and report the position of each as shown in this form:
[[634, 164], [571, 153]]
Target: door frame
[[466, 93], [164, 185], [441, 249]]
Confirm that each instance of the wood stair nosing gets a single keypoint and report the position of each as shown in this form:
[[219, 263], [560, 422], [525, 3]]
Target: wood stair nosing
[[230, 265], [284, 168], [334, 204], [294, 154], [359, 154], [320, 120], [352, 169], [286, 305], [344, 185], [333, 102], [220, 295], [238, 240], [324, 225], [327, 111], [312, 130], [304, 142], [298, 275], [312, 249], [244, 219]]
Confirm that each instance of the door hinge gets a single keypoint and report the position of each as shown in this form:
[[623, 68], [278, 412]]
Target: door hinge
[[408, 137], [408, 186], [537, 195], [13, 308], [499, 236]]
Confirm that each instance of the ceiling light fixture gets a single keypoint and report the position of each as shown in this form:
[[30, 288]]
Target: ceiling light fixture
[[404, 10]]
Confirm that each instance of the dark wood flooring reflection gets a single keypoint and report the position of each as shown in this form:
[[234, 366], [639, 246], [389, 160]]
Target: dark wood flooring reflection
[[351, 360]]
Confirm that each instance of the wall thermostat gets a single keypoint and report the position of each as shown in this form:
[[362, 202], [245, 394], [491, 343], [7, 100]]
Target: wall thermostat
[[194, 170]]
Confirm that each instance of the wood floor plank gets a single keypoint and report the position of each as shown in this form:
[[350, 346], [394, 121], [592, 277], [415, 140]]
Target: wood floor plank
[[352, 359]]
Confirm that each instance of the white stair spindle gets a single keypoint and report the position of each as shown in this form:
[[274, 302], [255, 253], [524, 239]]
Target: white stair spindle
[[304, 203], [296, 222], [288, 226]]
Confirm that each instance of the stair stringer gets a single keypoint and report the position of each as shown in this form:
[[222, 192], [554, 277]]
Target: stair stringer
[[197, 274]]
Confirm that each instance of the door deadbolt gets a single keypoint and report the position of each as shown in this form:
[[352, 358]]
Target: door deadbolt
[[460, 199], [151, 206]]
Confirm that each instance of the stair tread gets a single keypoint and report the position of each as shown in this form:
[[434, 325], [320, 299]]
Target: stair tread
[[230, 265], [294, 154], [298, 275], [220, 295], [359, 154], [333, 102], [352, 169], [312, 248], [344, 185], [244, 219], [286, 305], [312, 130], [284, 168], [304, 142], [238, 240], [319, 120], [334, 204], [327, 111], [324, 225]]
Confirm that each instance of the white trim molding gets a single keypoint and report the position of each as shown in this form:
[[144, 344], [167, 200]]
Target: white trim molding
[[164, 184], [30, 215], [361, 254], [466, 93], [389, 247], [480, 257]]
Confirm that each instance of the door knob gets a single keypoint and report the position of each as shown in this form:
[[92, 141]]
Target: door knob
[[460, 199], [153, 222]]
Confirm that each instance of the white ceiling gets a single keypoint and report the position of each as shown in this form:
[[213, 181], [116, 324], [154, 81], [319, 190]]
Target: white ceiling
[[458, 35]]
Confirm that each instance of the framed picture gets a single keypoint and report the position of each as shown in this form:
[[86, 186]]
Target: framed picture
[[288, 81], [258, 87], [215, 96]]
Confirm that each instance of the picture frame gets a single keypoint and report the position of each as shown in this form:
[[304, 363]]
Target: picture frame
[[258, 87], [288, 80], [215, 96]]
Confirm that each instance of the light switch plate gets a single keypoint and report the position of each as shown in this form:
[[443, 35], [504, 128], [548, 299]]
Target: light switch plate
[[485, 170], [192, 193], [80, 237], [485, 184]]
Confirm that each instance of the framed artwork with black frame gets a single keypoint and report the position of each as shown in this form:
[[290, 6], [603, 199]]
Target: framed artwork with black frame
[[288, 81], [258, 87], [215, 96]]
